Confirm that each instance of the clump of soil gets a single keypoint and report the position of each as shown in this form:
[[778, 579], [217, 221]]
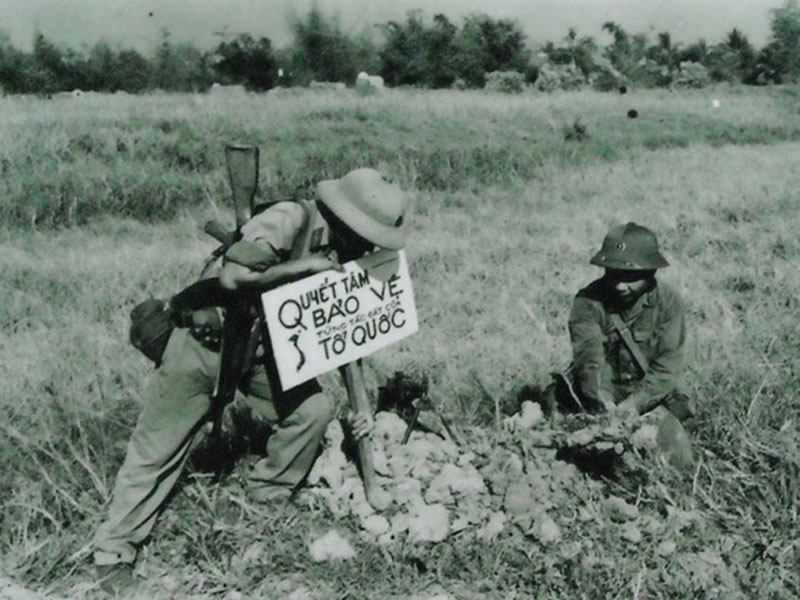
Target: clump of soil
[[520, 476]]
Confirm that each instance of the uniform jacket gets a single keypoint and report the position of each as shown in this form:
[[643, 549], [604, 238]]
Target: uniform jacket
[[267, 238], [602, 364]]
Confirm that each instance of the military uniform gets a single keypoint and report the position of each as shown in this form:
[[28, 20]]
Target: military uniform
[[359, 211], [628, 331], [603, 366], [178, 400]]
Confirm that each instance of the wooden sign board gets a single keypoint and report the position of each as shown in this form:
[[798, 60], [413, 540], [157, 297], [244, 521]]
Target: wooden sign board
[[324, 321]]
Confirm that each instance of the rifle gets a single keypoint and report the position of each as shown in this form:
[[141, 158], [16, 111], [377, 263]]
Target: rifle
[[242, 163]]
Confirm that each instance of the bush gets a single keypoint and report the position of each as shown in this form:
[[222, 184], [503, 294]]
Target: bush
[[692, 75], [577, 132], [559, 77], [651, 73], [510, 82], [367, 90], [605, 77]]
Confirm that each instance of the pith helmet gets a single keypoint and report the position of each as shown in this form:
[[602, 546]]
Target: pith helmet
[[369, 205], [630, 247]]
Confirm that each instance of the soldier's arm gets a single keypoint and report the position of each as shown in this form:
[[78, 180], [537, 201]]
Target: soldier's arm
[[588, 353], [236, 276], [259, 260], [667, 364]]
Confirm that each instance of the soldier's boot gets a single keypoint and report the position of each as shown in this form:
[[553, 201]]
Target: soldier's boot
[[116, 578]]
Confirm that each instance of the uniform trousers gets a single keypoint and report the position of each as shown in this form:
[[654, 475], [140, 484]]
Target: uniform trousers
[[178, 403]]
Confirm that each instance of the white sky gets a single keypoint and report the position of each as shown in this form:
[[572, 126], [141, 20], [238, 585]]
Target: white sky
[[129, 23]]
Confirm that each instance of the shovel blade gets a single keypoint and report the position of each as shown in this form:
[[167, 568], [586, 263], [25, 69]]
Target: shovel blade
[[673, 442]]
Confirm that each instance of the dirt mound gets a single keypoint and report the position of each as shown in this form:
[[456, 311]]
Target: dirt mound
[[522, 476]]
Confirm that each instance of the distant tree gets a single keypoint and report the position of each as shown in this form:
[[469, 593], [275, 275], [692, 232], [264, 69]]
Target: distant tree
[[484, 45], [439, 65], [732, 60], [627, 52], [101, 68], [736, 40], [49, 71], [164, 63], [722, 63], [15, 67], [580, 51], [696, 52], [779, 60], [246, 61], [414, 53], [619, 49], [662, 61], [132, 72], [403, 51], [320, 51], [180, 67]]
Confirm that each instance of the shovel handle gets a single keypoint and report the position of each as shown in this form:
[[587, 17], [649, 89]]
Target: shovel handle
[[359, 403]]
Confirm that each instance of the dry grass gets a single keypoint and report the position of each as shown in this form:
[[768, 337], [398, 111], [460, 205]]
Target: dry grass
[[496, 258]]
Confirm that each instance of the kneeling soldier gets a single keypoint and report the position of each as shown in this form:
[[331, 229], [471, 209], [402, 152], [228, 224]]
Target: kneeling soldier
[[359, 211], [627, 332]]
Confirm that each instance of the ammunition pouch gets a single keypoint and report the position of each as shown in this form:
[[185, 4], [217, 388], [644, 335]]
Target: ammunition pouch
[[150, 329], [206, 327]]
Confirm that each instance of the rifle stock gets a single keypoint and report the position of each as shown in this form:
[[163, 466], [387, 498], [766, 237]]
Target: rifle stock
[[218, 231], [242, 164]]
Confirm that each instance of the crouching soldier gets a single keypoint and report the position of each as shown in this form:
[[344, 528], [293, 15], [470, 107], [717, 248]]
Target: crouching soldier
[[628, 334], [358, 212]]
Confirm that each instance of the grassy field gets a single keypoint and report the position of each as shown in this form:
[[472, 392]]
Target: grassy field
[[102, 200]]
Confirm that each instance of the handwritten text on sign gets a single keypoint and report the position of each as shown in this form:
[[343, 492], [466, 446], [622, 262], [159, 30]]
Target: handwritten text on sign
[[330, 319]]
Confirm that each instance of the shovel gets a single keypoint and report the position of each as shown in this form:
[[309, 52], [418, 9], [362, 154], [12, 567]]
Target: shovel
[[673, 442]]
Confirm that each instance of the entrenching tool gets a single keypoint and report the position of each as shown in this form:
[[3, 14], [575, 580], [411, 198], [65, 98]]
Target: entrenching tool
[[353, 376]]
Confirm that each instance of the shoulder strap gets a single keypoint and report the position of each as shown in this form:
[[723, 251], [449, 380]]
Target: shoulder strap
[[303, 242], [625, 334]]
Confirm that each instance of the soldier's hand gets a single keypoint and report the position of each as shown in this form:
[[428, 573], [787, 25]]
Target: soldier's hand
[[627, 410], [361, 424], [316, 263], [606, 398]]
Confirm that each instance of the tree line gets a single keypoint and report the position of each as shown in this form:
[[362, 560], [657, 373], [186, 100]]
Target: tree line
[[416, 52]]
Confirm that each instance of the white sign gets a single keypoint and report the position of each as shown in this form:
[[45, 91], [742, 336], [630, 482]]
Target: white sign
[[331, 318]]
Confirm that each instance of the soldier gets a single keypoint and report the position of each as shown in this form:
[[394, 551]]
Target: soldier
[[628, 334], [359, 211]]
